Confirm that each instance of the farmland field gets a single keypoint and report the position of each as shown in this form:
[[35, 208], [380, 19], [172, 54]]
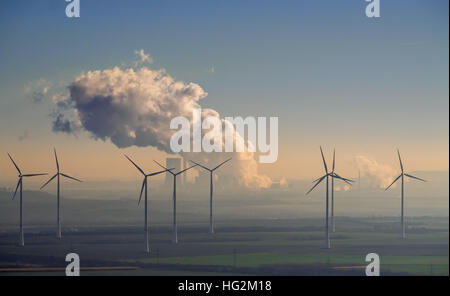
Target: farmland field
[[249, 247]]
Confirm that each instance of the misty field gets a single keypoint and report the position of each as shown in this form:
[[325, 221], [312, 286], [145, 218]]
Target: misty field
[[397, 256], [414, 265], [252, 247]]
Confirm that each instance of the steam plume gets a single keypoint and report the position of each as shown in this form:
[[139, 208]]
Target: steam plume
[[379, 175], [134, 108]]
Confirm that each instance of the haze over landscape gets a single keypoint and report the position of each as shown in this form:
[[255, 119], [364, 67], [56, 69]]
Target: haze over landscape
[[109, 83]]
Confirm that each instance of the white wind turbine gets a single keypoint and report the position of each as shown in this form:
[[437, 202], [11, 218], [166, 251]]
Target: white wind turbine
[[317, 182], [402, 176], [57, 175], [211, 172], [335, 175], [20, 183], [175, 232], [144, 187]]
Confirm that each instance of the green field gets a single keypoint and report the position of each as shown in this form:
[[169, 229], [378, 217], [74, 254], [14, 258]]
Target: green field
[[277, 247], [415, 265]]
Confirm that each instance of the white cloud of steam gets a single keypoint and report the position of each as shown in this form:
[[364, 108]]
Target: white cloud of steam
[[61, 100], [342, 188], [37, 90], [134, 108], [143, 57], [378, 175]]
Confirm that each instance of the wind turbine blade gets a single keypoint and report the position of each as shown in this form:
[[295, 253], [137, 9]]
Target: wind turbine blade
[[186, 169], [160, 172], [334, 155], [317, 183], [49, 180], [15, 164], [324, 162], [200, 165], [142, 189], [417, 178], [73, 178], [338, 177], [135, 165], [33, 175], [316, 180], [221, 164], [160, 165], [393, 182], [344, 179], [400, 159], [57, 163], [17, 187]]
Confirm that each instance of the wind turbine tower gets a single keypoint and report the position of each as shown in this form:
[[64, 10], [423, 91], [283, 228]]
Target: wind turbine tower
[[317, 182], [402, 176], [57, 176], [211, 172], [175, 232], [333, 176], [20, 184], [145, 187]]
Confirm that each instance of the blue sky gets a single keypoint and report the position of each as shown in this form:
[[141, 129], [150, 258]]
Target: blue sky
[[331, 74]]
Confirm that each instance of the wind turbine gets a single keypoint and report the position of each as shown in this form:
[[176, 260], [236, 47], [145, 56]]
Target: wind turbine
[[144, 186], [211, 171], [317, 182], [20, 183], [402, 176], [175, 235], [334, 175], [57, 175]]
